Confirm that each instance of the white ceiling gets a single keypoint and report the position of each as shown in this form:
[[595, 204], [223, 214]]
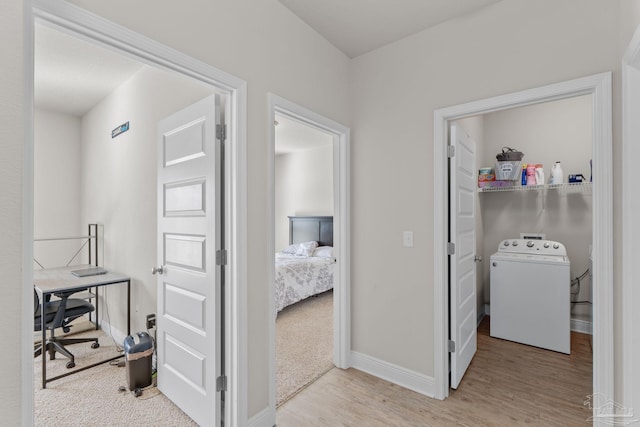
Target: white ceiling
[[360, 26], [71, 75], [293, 136]]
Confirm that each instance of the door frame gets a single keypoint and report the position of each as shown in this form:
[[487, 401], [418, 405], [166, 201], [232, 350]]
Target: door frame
[[87, 26], [599, 87], [630, 228], [341, 227]]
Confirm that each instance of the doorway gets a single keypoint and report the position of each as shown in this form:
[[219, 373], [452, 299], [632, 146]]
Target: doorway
[[73, 21], [599, 86], [339, 135]]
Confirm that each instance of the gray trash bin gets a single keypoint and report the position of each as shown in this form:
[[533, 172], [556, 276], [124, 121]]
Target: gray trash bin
[[138, 352]]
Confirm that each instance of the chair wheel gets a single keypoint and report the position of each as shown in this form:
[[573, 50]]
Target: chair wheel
[[70, 365], [95, 345]]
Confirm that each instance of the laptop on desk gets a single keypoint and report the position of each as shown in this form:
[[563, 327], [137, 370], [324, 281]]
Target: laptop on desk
[[91, 271]]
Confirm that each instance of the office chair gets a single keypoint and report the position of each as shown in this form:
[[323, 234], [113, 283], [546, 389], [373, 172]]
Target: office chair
[[58, 314]]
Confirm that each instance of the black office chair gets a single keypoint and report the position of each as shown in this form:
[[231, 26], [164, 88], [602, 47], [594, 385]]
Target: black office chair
[[58, 314]]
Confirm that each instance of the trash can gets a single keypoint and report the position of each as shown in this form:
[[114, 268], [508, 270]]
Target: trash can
[[138, 352]]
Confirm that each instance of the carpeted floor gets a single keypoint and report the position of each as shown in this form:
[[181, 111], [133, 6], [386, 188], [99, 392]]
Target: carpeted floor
[[92, 397], [304, 352], [304, 344]]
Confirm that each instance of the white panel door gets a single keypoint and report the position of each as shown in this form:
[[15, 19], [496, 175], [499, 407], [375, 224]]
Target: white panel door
[[189, 282], [462, 204]]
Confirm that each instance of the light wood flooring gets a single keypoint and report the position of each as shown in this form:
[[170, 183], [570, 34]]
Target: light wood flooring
[[507, 384]]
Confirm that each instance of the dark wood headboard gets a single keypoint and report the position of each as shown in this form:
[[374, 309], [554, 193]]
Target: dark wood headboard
[[306, 228]]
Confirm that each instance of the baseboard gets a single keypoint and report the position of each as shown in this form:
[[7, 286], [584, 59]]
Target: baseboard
[[117, 335], [264, 418], [406, 378], [582, 326]]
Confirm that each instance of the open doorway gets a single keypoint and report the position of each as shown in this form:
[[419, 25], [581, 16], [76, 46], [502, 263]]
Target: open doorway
[[300, 225], [305, 265], [124, 164], [599, 87]]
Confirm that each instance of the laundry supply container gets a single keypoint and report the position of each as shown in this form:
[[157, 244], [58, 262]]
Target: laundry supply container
[[138, 353]]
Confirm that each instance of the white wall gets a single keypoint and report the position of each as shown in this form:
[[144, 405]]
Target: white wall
[[119, 186], [510, 46], [56, 187], [303, 186], [13, 215]]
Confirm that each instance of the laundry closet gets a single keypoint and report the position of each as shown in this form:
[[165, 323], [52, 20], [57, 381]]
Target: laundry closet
[[557, 131]]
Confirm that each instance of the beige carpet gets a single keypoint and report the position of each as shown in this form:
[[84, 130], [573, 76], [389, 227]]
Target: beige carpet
[[304, 344], [92, 397]]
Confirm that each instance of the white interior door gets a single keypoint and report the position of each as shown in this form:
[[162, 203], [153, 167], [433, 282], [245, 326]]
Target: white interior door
[[189, 284], [462, 289]]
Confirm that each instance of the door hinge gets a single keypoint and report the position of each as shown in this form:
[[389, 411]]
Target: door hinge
[[221, 132], [452, 346], [221, 383], [221, 257], [451, 248], [451, 151]]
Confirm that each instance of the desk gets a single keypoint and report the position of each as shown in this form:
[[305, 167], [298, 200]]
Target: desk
[[58, 280]]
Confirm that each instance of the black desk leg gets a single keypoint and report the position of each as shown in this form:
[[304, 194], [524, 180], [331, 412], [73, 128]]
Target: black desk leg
[[129, 307], [44, 342]]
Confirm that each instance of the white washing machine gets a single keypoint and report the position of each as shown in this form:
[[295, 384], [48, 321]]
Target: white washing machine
[[530, 293]]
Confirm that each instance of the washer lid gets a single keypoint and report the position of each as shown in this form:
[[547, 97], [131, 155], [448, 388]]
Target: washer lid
[[532, 257]]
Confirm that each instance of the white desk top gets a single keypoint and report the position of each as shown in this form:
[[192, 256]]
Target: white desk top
[[53, 280]]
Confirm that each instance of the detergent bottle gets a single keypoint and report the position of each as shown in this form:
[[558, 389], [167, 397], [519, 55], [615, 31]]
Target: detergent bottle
[[557, 177]]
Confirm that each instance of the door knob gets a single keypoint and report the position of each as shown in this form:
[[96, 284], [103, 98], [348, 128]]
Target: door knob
[[477, 258], [157, 270]]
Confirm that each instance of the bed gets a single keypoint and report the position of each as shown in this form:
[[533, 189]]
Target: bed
[[306, 267]]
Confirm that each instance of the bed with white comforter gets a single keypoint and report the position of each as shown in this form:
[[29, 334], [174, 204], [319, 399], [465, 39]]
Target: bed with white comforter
[[301, 273]]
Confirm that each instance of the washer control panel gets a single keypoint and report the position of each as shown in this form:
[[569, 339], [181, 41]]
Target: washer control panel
[[540, 247]]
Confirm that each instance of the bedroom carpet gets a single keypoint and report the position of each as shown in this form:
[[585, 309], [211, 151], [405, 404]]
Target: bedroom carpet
[[304, 344]]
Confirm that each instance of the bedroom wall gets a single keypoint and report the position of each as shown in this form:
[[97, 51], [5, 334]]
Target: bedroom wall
[[545, 133], [303, 186], [56, 187], [274, 52], [119, 183], [510, 46]]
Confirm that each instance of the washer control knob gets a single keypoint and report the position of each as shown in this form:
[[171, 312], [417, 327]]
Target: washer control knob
[[546, 244], [506, 243], [530, 244], [556, 246], [514, 243]]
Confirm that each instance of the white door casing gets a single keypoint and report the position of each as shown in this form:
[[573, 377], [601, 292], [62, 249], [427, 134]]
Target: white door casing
[[189, 285], [599, 87], [462, 205]]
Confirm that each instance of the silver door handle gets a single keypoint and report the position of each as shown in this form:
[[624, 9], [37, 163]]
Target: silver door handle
[[477, 258], [157, 270]]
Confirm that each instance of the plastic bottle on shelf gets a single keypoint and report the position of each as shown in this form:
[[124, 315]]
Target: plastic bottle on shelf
[[531, 174], [539, 174], [557, 177], [523, 180]]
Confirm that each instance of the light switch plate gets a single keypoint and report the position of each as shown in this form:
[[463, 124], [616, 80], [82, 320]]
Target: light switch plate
[[407, 239]]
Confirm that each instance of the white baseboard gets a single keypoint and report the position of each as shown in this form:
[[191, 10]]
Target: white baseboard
[[582, 326], [264, 418], [116, 334], [407, 378]]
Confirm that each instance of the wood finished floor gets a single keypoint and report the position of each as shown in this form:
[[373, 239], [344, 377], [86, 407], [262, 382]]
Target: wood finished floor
[[507, 384]]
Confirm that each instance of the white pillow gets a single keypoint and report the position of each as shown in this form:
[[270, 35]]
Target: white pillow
[[301, 249], [323, 252]]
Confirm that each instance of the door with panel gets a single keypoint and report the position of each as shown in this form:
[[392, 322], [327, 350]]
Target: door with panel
[[462, 233], [189, 280]]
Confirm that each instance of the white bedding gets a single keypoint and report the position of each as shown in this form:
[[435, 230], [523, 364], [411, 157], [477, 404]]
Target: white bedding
[[299, 277]]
